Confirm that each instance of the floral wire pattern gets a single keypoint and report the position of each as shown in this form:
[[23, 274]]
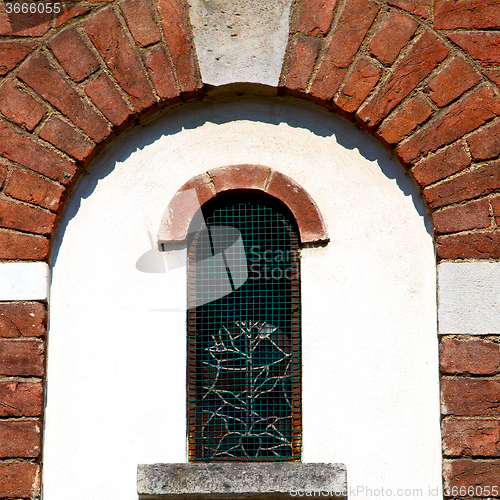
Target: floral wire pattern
[[244, 366]]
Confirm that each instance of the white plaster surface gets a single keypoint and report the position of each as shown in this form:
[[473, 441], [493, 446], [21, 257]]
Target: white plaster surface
[[240, 40], [469, 297], [24, 281], [117, 341]]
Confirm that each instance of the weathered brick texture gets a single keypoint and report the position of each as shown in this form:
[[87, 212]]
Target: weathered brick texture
[[480, 107], [405, 120], [357, 87], [12, 53], [392, 36], [484, 245], [315, 17], [452, 81], [479, 438], [422, 76], [34, 189], [475, 14], [470, 397], [22, 319], [19, 107], [21, 399], [108, 99], [44, 79], [302, 56], [476, 357], [19, 480], [64, 137], [74, 56], [422, 58], [20, 438], [471, 215], [140, 20], [353, 24], [22, 357], [114, 47], [444, 163], [481, 476]]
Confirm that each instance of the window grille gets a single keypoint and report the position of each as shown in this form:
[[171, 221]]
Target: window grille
[[244, 393]]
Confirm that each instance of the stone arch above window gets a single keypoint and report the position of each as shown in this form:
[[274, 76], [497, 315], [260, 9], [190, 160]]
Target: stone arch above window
[[182, 208]]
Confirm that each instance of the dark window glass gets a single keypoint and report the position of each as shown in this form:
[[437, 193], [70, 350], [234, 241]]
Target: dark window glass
[[244, 332]]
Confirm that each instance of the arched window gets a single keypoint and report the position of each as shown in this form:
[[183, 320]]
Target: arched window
[[244, 389]]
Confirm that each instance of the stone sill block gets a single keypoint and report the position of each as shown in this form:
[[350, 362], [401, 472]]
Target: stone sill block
[[240, 480]]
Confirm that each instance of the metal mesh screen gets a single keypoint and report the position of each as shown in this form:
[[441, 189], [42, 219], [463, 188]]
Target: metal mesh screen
[[243, 334]]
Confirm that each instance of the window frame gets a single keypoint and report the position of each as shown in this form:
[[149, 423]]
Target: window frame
[[295, 311]]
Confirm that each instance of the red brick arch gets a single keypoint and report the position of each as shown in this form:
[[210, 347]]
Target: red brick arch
[[180, 211], [419, 75]]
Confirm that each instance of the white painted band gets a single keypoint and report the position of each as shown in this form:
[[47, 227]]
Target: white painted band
[[469, 298], [24, 281]]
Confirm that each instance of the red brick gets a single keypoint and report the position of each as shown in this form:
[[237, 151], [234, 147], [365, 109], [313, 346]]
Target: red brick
[[69, 12], [19, 107], [359, 84], [160, 73], [23, 24], [493, 75], [182, 208], [495, 204], [423, 57], [175, 24], [405, 120], [22, 357], [140, 20], [465, 186], [19, 439], [21, 149], [42, 77], [392, 36], [475, 357], [239, 177], [303, 54], [453, 81], [109, 101], [66, 138], [14, 215], [472, 215], [469, 246], [12, 53], [477, 478], [21, 399], [19, 480], [75, 57], [470, 397], [484, 47], [471, 437], [315, 17], [448, 161], [22, 319], [22, 246], [485, 144], [480, 107], [305, 211], [115, 49], [421, 8], [28, 187], [466, 14], [355, 20], [3, 175]]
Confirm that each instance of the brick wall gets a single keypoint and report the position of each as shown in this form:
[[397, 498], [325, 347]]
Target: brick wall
[[420, 75]]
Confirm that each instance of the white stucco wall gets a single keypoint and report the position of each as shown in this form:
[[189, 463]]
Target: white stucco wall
[[117, 342]]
